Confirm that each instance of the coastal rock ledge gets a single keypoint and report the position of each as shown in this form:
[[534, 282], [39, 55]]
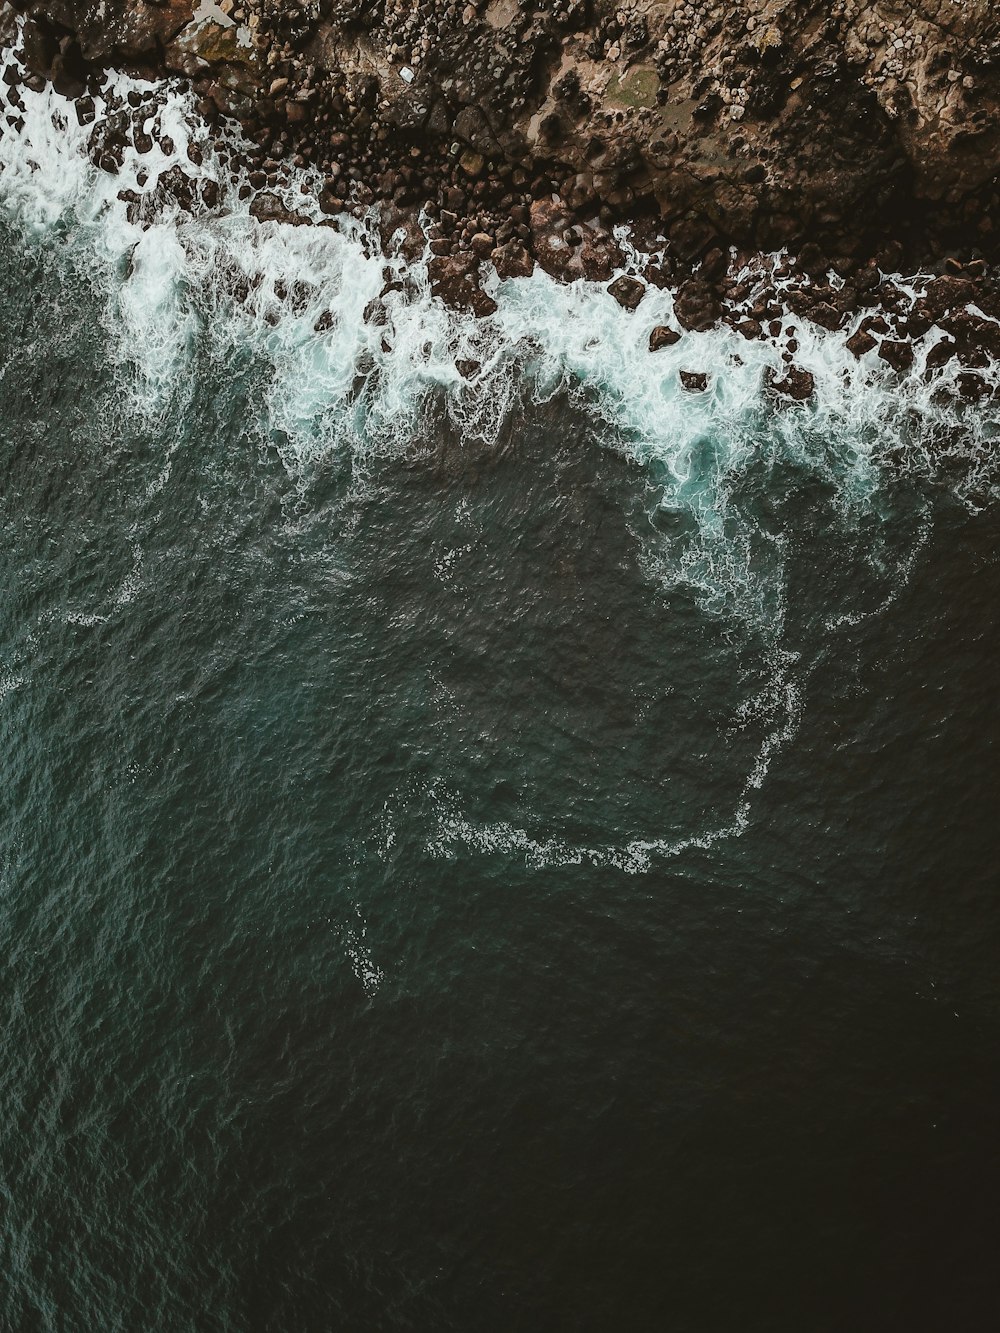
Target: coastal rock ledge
[[860, 138]]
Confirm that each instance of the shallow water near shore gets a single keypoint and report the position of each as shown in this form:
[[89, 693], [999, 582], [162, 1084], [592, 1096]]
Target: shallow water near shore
[[508, 855]]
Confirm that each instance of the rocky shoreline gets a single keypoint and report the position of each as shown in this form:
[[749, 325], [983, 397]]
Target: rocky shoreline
[[851, 140]]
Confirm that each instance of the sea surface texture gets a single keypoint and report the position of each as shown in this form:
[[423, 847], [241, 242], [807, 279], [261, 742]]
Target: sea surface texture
[[508, 853]]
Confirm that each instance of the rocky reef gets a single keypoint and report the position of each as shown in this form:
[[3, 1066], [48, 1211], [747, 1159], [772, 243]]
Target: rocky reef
[[858, 138]]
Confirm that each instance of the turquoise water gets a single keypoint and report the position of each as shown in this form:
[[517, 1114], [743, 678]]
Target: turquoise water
[[528, 866]]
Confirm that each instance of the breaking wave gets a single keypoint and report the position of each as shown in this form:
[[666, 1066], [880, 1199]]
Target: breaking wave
[[178, 283]]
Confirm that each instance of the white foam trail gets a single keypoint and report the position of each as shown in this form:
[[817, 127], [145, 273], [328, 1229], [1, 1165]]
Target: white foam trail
[[363, 964], [176, 283]]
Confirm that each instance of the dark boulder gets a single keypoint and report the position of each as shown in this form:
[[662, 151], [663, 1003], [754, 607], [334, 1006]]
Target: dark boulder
[[861, 343], [513, 261], [697, 306], [268, 207], [662, 336], [799, 385], [825, 316], [941, 353], [750, 329], [896, 353], [454, 279], [948, 293], [628, 292]]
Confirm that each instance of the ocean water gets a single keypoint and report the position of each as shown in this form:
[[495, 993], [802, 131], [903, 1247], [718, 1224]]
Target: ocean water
[[518, 854]]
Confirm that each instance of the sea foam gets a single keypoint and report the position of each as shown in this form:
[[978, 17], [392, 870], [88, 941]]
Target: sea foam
[[174, 280]]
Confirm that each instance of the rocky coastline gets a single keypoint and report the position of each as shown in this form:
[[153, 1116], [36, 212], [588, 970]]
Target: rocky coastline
[[773, 160]]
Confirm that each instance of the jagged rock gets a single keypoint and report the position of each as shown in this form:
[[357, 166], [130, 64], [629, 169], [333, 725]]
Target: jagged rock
[[941, 353], [662, 336], [268, 207], [513, 261], [599, 258], [694, 381], [697, 306], [454, 279], [118, 29], [861, 343], [825, 316], [748, 124], [628, 292], [472, 163], [972, 387], [896, 353], [799, 385], [948, 293]]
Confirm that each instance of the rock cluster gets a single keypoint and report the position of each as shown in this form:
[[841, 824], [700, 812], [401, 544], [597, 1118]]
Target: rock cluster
[[861, 137]]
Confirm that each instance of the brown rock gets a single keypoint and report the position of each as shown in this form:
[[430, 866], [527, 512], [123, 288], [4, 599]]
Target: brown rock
[[268, 207], [697, 306], [453, 280], [472, 163], [798, 384], [750, 329], [861, 343], [662, 336], [825, 316], [513, 261], [896, 353], [600, 259], [948, 293], [941, 353], [694, 381], [628, 292], [972, 387]]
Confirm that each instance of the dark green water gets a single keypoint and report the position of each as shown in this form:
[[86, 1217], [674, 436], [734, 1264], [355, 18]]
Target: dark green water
[[329, 999]]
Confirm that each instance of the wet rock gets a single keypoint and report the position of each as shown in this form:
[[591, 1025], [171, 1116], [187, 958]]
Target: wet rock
[[697, 306], [599, 258], [941, 353], [750, 329], [267, 207], [948, 293], [825, 316], [799, 385], [694, 381], [811, 132], [662, 336], [972, 387], [454, 279], [628, 292], [896, 353], [513, 261], [860, 343]]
